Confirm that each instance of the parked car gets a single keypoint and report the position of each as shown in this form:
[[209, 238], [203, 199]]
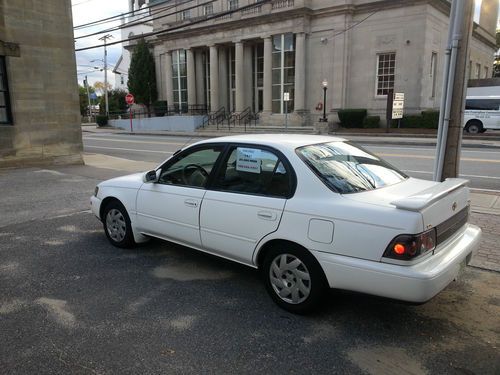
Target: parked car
[[310, 212]]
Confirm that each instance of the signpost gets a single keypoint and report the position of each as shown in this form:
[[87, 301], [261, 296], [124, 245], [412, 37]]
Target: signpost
[[395, 107], [286, 99], [129, 98]]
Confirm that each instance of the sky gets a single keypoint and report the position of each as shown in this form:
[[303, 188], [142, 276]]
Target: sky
[[85, 11]]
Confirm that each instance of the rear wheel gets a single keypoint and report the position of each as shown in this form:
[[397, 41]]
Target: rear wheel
[[117, 225], [293, 278], [474, 127]]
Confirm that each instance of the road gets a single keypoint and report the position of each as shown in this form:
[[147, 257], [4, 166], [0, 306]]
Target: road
[[70, 303], [480, 166]]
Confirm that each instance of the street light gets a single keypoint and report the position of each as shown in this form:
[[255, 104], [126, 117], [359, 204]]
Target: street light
[[104, 39], [325, 87]]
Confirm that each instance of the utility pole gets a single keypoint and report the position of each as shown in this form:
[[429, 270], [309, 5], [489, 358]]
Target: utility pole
[[447, 163], [104, 39], [88, 97]]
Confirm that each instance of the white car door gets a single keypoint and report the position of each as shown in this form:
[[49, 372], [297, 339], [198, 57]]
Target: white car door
[[170, 207], [245, 201]]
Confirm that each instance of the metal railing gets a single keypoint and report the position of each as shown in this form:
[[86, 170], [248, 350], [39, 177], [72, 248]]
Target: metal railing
[[160, 111], [243, 117]]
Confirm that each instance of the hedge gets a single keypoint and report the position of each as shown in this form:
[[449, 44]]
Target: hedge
[[352, 118], [371, 122], [427, 120], [101, 120]]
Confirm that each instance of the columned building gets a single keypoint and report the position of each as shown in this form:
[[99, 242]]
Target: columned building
[[241, 54]]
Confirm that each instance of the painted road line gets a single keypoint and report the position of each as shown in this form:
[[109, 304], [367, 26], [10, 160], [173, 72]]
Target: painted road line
[[130, 149], [461, 175], [130, 141], [432, 157]]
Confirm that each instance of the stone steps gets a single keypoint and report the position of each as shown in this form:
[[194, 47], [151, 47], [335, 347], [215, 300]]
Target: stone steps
[[260, 129]]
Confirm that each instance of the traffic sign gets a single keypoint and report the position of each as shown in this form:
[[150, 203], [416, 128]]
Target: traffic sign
[[129, 98], [286, 96], [398, 105]]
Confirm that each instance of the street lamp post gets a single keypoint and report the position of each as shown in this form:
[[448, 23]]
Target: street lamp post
[[104, 39], [325, 87]]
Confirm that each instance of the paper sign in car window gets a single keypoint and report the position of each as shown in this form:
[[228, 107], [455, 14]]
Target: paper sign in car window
[[248, 160]]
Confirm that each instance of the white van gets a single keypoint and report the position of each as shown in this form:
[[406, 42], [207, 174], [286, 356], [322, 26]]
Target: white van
[[481, 113]]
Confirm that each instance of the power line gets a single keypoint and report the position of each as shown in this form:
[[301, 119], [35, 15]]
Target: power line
[[108, 19], [142, 36]]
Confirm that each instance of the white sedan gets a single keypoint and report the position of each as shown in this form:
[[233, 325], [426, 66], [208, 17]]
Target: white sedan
[[311, 212]]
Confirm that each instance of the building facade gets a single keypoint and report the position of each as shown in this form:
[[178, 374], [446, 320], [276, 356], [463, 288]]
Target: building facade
[[240, 54], [39, 104]]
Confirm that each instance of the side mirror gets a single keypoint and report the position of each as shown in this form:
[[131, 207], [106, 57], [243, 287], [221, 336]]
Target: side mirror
[[150, 177]]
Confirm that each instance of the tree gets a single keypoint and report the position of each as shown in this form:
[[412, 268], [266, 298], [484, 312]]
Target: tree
[[141, 75], [99, 87], [116, 102], [84, 101]]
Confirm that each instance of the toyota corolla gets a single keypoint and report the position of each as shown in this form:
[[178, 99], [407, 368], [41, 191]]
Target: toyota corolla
[[311, 212]]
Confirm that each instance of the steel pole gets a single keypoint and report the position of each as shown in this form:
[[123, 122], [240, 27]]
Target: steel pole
[[106, 78], [324, 104]]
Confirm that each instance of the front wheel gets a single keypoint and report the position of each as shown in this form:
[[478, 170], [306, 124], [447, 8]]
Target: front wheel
[[293, 278], [117, 225]]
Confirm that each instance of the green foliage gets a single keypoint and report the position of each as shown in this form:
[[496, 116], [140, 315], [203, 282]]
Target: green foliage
[[101, 120], [426, 120], [352, 118], [141, 75], [84, 101], [371, 122], [116, 102]]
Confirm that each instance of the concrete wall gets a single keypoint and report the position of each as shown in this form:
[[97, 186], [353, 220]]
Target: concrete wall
[[169, 123], [43, 84]]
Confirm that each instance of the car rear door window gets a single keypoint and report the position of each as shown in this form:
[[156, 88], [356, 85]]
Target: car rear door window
[[254, 170]]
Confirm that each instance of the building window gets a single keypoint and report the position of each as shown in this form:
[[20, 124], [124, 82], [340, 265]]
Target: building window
[[433, 73], [232, 4], [386, 66], [179, 78], [485, 69], [232, 78], [122, 80], [477, 72], [185, 14], [5, 110], [206, 76], [283, 71], [208, 9]]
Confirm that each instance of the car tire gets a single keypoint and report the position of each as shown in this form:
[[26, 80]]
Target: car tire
[[117, 225], [293, 278], [474, 127]]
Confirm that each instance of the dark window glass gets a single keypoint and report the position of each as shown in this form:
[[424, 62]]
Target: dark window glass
[[482, 104], [346, 168], [5, 110], [254, 171], [191, 169]]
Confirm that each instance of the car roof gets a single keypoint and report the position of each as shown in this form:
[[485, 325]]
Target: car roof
[[290, 141]]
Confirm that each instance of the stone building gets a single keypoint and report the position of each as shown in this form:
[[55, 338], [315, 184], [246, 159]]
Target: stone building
[[244, 53], [39, 105]]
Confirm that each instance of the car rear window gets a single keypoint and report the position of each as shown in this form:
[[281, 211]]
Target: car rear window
[[347, 168]]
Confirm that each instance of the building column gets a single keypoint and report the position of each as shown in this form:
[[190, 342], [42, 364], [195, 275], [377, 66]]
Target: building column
[[191, 77], [214, 79], [239, 78], [200, 85], [223, 75], [300, 72], [168, 78], [268, 75]]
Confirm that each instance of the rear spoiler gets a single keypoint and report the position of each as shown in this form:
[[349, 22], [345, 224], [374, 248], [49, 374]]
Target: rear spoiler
[[425, 198]]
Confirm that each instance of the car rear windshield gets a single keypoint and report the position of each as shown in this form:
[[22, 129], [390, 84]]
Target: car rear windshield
[[346, 168]]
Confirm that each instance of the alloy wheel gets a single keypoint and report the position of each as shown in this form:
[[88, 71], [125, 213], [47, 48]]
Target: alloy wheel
[[290, 278]]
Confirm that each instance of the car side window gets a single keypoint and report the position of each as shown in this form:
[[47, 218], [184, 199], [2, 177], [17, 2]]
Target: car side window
[[192, 168], [253, 171]]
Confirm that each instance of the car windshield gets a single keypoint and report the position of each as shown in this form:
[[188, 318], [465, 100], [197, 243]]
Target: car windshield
[[346, 168]]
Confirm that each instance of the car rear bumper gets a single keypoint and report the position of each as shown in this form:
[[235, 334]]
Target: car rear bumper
[[416, 283], [95, 206]]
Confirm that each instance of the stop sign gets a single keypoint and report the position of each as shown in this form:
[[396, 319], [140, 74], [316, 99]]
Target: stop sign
[[129, 98]]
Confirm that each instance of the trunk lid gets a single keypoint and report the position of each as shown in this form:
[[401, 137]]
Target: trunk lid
[[438, 202]]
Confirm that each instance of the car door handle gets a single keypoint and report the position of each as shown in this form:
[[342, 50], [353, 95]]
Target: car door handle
[[266, 215], [191, 203]]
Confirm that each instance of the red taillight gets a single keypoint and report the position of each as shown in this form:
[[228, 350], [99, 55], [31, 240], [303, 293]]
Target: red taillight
[[408, 246]]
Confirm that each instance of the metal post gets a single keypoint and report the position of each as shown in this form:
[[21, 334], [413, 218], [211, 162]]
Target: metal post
[[88, 98], [105, 38], [131, 127], [286, 114], [324, 104]]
